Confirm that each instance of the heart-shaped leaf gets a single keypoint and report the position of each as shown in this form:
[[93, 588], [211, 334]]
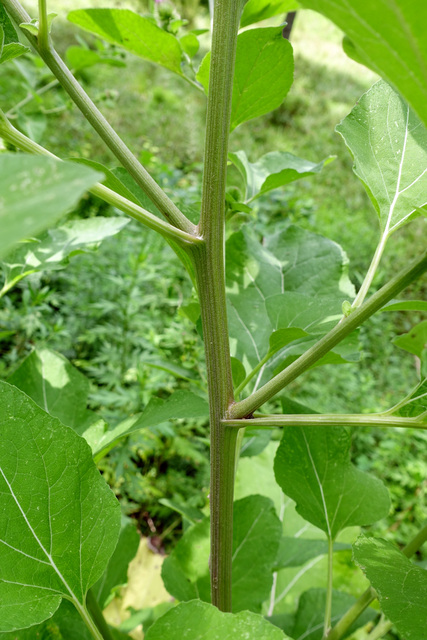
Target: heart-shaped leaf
[[263, 73], [313, 467]]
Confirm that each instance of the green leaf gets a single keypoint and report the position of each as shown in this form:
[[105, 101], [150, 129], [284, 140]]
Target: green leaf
[[181, 404], [389, 146], [309, 619], [257, 10], [415, 341], [185, 572], [53, 249], [273, 170], [115, 575], [405, 305], [191, 514], [273, 286], [263, 73], [12, 50], [190, 44], [294, 552], [9, 31], [198, 619], [66, 624], [132, 32], [313, 467], [79, 58], [35, 192], [59, 522], [390, 39], [59, 389], [254, 441], [401, 586]]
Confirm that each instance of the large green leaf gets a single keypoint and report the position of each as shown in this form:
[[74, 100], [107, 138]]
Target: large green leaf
[[257, 10], [273, 170], [389, 145], [132, 32], [59, 522], [181, 404], [203, 621], [35, 192], [294, 280], [389, 37], [55, 247], [401, 586], [256, 536], [263, 73], [313, 467], [115, 575]]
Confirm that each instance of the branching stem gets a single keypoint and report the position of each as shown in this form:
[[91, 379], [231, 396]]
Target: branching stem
[[327, 420], [92, 114]]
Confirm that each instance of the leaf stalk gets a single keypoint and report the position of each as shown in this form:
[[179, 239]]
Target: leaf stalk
[[410, 273]]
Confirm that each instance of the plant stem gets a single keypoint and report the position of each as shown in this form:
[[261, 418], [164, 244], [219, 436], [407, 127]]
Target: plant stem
[[99, 123], [328, 607], [11, 134], [209, 261], [363, 291], [370, 595], [410, 273], [380, 630], [326, 420], [98, 617]]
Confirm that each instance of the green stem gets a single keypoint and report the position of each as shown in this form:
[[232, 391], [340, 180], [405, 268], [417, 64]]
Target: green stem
[[370, 595], [383, 627], [252, 373], [43, 34], [99, 123], [328, 607], [97, 616], [363, 291], [30, 97], [247, 406], [209, 261], [326, 420], [12, 135]]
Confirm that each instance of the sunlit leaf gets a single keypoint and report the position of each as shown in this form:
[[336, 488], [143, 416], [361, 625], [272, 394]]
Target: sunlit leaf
[[132, 32], [273, 170], [257, 10], [263, 74], [389, 146], [313, 467], [59, 521], [401, 586], [389, 37], [35, 192], [60, 390], [53, 249], [198, 619]]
